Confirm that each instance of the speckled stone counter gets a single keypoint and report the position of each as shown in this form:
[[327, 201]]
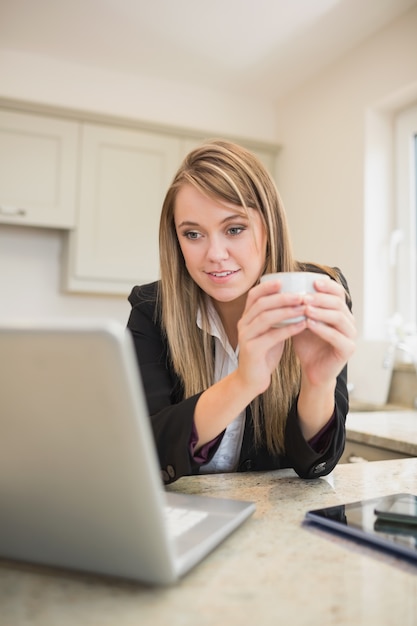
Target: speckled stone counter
[[393, 430], [272, 570]]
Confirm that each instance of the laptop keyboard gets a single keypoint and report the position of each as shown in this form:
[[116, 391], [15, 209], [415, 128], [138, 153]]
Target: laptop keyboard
[[180, 520]]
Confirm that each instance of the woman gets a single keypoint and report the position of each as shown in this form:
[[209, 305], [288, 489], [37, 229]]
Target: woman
[[229, 387]]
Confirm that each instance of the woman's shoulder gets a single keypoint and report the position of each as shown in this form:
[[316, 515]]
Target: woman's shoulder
[[144, 294], [333, 272], [308, 266], [145, 311]]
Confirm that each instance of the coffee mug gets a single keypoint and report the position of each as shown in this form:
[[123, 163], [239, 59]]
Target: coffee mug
[[294, 282]]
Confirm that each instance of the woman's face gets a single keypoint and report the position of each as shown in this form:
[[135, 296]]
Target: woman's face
[[224, 250]]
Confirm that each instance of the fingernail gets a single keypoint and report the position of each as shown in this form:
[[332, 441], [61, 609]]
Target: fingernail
[[320, 282]]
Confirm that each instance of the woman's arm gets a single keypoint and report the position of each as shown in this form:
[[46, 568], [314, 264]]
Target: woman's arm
[[308, 461], [172, 418], [323, 350]]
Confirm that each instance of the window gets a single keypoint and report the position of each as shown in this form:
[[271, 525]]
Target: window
[[403, 245]]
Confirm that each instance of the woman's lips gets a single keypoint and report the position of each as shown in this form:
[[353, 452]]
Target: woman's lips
[[221, 276]]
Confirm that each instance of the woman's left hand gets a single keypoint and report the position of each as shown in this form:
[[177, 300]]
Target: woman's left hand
[[329, 339]]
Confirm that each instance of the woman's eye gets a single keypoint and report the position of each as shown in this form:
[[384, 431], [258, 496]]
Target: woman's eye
[[192, 234], [235, 230]]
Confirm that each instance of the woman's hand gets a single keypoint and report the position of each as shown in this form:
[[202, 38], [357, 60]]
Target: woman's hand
[[262, 332], [329, 340], [323, 350], [324, 341]]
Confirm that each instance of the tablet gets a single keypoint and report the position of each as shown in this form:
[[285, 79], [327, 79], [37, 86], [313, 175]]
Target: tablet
[[399, 508], [359, 520]]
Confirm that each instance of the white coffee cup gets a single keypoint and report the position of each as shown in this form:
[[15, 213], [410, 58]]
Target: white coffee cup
[[294, 282]]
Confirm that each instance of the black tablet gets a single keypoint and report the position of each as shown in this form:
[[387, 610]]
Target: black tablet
[[362, 520]]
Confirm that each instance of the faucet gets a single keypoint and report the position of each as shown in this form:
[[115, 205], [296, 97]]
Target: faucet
[[403, 347]]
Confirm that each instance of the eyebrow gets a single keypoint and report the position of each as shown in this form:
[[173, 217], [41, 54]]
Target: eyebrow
[[229, 218]]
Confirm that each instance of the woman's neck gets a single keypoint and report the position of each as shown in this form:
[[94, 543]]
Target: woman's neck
[[229, 314]]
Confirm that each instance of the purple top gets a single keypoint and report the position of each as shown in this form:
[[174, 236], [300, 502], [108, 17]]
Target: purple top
[[319, 442]]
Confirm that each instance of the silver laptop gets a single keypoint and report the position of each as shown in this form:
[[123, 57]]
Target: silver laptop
[[80, 484]]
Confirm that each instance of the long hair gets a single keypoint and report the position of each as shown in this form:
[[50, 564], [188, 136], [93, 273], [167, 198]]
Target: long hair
[[228, 173]]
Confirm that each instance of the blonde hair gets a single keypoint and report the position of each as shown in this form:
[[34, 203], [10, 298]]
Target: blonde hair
[[229, 173]]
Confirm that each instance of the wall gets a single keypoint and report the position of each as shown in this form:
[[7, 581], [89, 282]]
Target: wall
[[335, 169], [336, 209], [45, 80], [30, 280]]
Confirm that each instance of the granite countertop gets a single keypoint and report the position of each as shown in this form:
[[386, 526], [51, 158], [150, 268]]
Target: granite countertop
[[394, 430], [272, 570]]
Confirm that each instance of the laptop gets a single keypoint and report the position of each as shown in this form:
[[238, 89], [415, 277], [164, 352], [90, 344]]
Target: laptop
[[80, 484]]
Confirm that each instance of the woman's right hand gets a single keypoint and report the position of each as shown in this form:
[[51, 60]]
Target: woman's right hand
[[261, 332]]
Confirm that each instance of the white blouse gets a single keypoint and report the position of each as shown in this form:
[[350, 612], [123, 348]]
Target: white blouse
[[226, 457]]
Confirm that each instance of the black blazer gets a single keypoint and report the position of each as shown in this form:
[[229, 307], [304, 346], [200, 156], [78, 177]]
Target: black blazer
[[172, 417]]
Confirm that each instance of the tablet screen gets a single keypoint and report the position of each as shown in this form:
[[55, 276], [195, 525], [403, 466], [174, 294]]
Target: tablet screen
[[359, 520]]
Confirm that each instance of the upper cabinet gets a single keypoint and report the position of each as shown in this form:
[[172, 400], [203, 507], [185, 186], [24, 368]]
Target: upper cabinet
[[103, 181], [124, 175], [38, 170]]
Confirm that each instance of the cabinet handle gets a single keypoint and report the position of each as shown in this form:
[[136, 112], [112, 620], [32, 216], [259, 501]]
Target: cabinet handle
[[11, 210]]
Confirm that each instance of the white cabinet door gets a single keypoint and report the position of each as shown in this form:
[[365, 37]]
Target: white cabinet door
[[123, 180], [38, 170]]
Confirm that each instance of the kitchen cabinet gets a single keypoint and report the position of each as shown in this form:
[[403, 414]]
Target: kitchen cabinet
[[102, 180], [380, 435], [38, 170], [356, 452], [124, 175]]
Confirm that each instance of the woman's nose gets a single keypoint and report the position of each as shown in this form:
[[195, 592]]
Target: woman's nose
[[217, 250]]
